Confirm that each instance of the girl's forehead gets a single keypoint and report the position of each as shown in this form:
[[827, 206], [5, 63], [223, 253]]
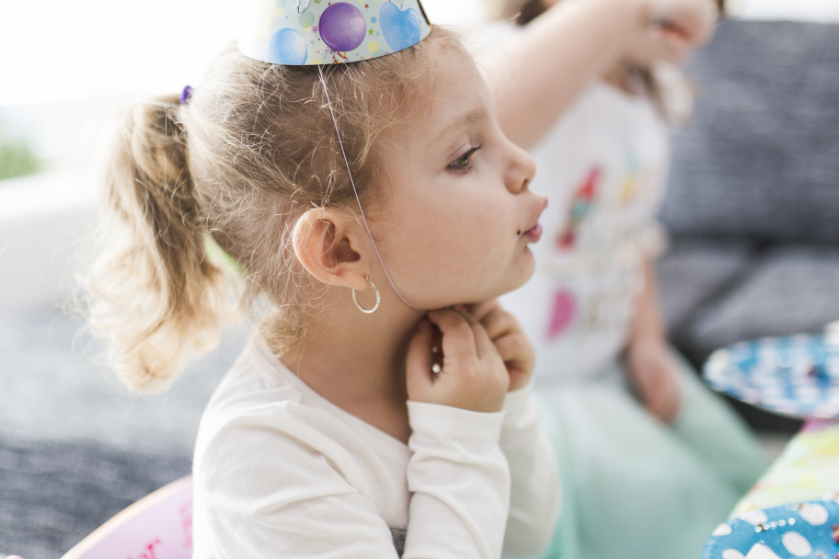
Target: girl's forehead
[[455, 87], [448, 95], [448, 123]]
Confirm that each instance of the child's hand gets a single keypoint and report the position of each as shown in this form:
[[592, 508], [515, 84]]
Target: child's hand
[[658, 45], [687, 21], [651, 369], [510, 340], [472, 377]]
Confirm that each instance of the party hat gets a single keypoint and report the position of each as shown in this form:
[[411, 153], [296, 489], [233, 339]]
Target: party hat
[[313, 32]]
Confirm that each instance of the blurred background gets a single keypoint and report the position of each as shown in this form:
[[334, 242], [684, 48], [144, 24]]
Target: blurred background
[[75, 447]]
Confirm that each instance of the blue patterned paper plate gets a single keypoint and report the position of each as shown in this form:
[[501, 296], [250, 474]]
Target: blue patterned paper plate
[[785, 532], [796, 376]]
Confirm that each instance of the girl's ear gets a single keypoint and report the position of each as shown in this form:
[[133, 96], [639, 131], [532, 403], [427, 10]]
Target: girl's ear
[[325, 244]]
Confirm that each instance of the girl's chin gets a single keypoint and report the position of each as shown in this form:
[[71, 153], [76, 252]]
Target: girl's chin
[[522, 269], [518, 272], [528, 262]]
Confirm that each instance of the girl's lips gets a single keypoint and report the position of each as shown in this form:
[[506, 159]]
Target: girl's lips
[[533, 235]]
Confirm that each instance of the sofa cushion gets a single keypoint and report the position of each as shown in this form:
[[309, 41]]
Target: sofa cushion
[[55, 386], [54, 493], [791, 289], [760, 157], [695, 270], [76, 447]]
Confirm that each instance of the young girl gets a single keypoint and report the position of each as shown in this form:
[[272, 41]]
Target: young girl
[[355, 198], [650, 460]]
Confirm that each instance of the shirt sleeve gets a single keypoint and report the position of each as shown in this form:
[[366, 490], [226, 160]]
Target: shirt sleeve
[[460, 483], [266, 488], [267, 494], [535, 499]]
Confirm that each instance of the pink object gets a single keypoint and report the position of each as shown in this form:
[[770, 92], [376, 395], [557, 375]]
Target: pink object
[[562, 313], [158, 526], [818, 424], [581, 206]]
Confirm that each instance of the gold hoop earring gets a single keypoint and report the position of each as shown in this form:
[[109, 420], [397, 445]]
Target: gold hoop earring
[[378, 298]]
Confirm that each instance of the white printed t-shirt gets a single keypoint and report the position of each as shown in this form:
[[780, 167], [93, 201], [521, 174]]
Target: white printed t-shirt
[[603, 168], [281, 472]]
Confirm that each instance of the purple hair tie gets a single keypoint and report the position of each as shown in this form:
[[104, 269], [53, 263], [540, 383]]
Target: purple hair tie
[[186, 95]]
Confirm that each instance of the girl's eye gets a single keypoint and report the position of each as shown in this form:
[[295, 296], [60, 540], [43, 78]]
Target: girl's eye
[[464, 162]]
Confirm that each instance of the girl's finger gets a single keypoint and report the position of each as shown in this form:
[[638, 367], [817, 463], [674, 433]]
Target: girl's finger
[[500, 323], [483, 345], [675, 403], [665, 408], [671, 31], [664, 398], [514, 348], [656, 402], [481, 310], [458, 343]]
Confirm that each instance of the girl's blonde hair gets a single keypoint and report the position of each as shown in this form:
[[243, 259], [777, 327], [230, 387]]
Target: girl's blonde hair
[[253, 149]]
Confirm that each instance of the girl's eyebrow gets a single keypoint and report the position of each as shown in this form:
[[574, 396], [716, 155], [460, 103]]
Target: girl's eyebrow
[[464, 119]]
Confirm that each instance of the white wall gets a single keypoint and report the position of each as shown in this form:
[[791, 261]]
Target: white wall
[[54, 50], [454, 12], [826, 11], [58, 50], [45, 221]]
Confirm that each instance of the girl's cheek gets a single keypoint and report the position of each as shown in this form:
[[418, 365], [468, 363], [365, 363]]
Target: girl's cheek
[[494, 232]]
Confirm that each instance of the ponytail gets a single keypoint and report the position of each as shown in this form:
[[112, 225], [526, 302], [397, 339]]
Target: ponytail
[[154, 295], [230, 173]]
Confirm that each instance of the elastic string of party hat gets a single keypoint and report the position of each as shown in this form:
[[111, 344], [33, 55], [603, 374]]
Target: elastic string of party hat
[[355, 190]]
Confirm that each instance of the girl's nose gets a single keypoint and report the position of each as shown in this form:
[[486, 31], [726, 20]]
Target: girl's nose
[[520, 171]]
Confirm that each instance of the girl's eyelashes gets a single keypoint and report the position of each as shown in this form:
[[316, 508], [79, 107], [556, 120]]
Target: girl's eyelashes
[[464, 162]]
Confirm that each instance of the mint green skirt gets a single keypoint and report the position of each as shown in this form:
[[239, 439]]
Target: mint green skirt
[[635, 488]]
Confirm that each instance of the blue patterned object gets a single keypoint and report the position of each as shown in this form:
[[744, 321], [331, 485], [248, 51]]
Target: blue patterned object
[[785, 532], [796, 376], [401, 27], [317, 32], [287, 47]]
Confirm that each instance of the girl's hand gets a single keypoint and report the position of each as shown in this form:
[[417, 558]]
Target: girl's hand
[[472, 376], [658, 45], [689, 22], [651, 369], [510, 340]]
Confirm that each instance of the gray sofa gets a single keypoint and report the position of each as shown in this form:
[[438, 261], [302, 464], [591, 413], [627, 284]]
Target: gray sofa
[[753, 209], [76, 447], [753, 201]]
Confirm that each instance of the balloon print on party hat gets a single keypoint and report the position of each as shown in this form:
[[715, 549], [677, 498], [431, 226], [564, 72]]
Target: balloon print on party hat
[[313, 32]]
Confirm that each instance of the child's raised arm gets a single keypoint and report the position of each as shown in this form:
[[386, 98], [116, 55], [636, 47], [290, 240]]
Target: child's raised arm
[[581, 39]]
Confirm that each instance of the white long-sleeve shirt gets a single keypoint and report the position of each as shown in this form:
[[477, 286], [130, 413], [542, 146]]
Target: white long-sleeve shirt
[[282, 472]]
